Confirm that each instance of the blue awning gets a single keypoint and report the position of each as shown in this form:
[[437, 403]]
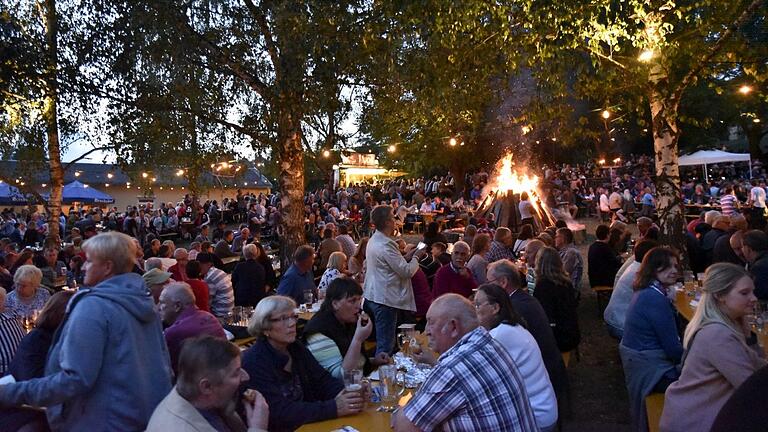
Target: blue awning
[[10, 195], [78, 192]]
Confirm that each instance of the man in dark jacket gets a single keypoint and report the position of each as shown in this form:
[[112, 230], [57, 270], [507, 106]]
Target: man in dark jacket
[[603, 261], [755, 249], [249, 278], [505, 274]]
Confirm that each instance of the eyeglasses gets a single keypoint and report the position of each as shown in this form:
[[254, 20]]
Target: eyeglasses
[[285, 319], [477, 305]]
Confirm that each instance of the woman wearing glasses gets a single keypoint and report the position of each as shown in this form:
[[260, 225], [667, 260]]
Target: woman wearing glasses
[[496, 314], [298, 390]]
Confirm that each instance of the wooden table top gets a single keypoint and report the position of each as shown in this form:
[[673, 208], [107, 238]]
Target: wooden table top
[[368, 420]]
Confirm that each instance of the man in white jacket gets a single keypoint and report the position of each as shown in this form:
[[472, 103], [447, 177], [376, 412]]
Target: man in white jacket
[[387, 288]]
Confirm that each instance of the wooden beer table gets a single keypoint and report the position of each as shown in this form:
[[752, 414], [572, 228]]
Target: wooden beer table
[[367, 420]]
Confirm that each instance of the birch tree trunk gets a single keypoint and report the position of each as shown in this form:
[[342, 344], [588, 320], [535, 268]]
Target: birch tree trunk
[[291, 180], [665, 137], [50, 116]]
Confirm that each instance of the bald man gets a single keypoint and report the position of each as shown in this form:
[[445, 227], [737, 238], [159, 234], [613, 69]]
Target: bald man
[[491, 397], [178, 311], [455, 277]]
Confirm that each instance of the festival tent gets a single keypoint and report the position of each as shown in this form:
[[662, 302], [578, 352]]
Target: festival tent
[[709, 157], [79, 192], [9, 195]]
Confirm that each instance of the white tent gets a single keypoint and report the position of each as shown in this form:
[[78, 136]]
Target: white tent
[[709, 157]]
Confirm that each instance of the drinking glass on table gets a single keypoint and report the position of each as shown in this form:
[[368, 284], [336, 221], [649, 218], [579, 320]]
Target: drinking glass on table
[[309, 298], [404, 343], [391, 386], [353, 380]]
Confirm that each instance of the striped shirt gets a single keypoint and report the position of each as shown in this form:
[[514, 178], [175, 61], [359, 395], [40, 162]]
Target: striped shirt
[[221, 295], [728, 203], [475, 386], [327, 353], [11, 334]]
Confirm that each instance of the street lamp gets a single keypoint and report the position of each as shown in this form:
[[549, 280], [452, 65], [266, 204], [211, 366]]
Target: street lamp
[[326, 153], [745, 89], [391, 148], [606, 114], [452, 141]]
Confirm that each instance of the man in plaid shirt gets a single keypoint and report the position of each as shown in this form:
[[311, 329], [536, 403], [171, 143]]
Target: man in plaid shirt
[[500, 246], [475, 386]]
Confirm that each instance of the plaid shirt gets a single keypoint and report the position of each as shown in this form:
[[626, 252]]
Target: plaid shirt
[[498, 251], [476, 386]]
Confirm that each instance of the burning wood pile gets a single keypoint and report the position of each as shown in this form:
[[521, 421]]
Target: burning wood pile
[[502, 197]]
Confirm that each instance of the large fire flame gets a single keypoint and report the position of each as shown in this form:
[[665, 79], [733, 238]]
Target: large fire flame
[[509, 180]]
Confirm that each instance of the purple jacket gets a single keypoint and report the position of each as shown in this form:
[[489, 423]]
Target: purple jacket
[[190, 323]]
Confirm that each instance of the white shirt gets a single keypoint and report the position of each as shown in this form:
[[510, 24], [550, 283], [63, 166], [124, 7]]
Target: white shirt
[[616, 311], [526, 209], [604, 206], [757, 195], [524, 350]]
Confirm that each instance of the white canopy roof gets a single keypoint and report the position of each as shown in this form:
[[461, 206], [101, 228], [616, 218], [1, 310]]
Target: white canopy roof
[[708, 157]]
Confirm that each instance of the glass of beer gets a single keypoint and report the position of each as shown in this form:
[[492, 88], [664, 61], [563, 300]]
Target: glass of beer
[[391, 386]]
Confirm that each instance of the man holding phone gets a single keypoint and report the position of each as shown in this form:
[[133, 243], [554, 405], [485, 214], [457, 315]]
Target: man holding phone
[[388, 288]]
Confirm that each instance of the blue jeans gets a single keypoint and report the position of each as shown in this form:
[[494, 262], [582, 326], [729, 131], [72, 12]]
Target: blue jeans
[[385, 319]]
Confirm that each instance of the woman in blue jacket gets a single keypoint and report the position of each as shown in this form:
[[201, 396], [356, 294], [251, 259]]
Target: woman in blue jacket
[[651, 348]]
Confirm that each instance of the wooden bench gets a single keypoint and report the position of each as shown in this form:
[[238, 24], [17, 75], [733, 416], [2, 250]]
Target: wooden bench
[[654, 406], [603, 293]]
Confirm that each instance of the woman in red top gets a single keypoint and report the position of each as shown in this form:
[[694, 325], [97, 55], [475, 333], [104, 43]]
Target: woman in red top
[[198, 285]]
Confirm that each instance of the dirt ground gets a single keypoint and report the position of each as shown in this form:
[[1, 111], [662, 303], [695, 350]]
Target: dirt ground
[[598, 392]]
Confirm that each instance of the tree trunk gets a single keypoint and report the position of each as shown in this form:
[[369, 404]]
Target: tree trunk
[[665, 136], [755, 134], [50, 116], [458, 171], [291, 180]]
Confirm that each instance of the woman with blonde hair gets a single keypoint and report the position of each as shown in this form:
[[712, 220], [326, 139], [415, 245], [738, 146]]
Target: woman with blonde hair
[[720, 351], [554, 291], [28, 295], [336, 268]]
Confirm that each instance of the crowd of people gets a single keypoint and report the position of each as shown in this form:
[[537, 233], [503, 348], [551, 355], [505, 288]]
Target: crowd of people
[[117, 328]]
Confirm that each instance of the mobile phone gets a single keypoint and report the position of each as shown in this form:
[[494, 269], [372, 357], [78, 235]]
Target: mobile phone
[[421, 245]]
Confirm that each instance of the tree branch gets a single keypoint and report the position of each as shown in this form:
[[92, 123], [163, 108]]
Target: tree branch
[[610, 59], [706, 58], [223, 58], [261, 20], [85, 155]]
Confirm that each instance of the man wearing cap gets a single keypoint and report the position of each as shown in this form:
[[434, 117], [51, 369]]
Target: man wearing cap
[[156, 279], [222, 296]]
